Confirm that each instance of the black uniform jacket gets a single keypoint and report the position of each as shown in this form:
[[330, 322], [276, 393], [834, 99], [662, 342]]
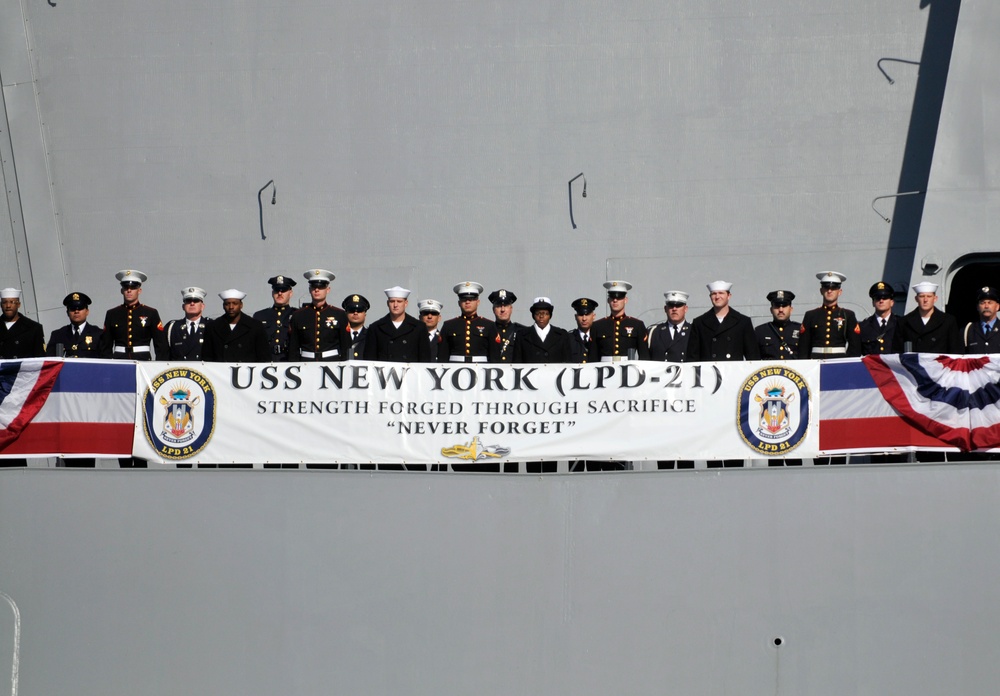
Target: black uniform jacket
[[276, 321], [129, 328], [469, 339], [978, 344], [778, 340], [434, 340], [508, 334], [731, 339], [939, 335], [324, 333], [408, 343], [827, 330], [665, 348], [24, 339], [244, 342], [357, 343], [616, 336], [63, 344], [530, 348], [874, 339], [182, 345], [580, 350]]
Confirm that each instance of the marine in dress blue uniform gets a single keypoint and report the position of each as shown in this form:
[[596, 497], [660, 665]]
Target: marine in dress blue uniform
[[983, 336], [186, 337], [878, 330], [619, 336], [469, 337], [778, 339], [131, 327], [668, 340], [830, 331], [319, 331], [277, 318]]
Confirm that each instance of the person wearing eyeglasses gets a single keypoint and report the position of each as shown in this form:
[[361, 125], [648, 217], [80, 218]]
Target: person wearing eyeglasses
[[430, 315], [668, 340], [186, 336], [830, 331]]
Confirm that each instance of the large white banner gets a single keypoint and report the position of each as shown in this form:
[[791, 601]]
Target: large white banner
[[465, 413]]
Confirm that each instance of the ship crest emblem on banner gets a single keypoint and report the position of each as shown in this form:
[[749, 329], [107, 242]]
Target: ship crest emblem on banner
[[179, 413], [475, 451], [773, 410]]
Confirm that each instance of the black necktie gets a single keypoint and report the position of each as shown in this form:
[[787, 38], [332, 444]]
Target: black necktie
[[883, 322], [76, 333]]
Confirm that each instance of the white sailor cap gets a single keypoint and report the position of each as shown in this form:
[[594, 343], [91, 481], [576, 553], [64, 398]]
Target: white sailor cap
[[397, 293], [618, 286], [719, 286], [676, 296], [925, 287], [131, 277], [468, 288], [194, 292], [232, 294], [319, 276], [831, 277], [429, 306], [10, 294]]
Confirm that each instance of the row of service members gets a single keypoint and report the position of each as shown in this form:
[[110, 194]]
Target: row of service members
[[320, 331], [828, 331]]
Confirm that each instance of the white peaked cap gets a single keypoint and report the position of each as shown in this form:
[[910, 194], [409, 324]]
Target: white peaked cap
[[193, 292], [831, 277], [130, 275], [468, 287], [618, 286], [430, 305], [315, 275]]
